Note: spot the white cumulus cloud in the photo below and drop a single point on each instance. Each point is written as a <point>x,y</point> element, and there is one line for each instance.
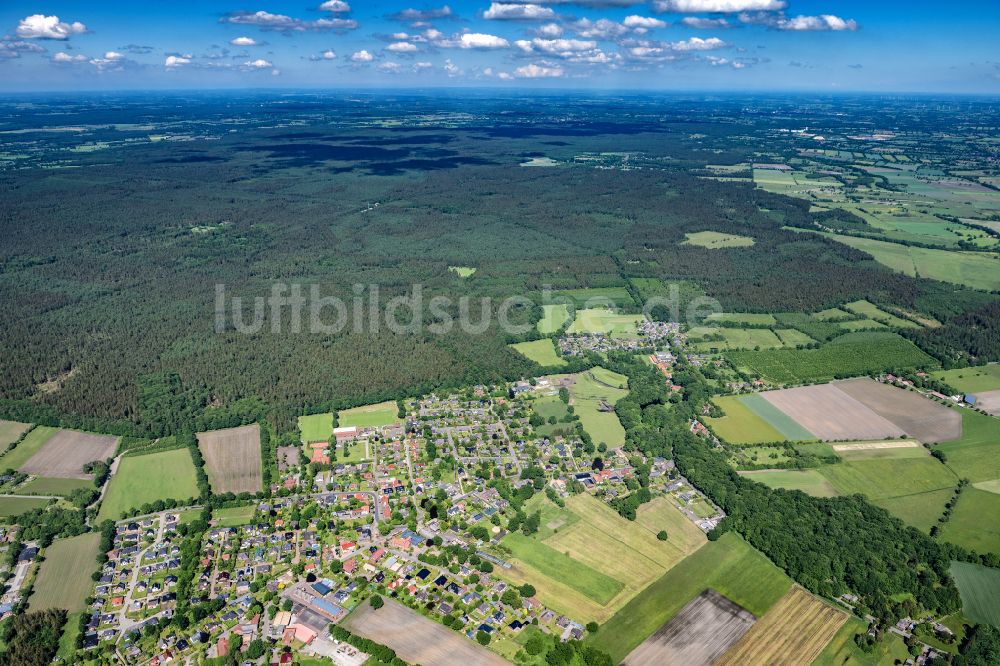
<point>698,44</point>
<point>518,12</point>
<point>39,26</point>
<point>401,47</point>
<point>479,40</point>
<point>259,63</point>
<point>174,61</point>
<point>533,71</point>
<point>644,22</point>
<point>362,56</point>
<point>719,6</point>
<point>335,6</point>
<point>243,41</point>
<point>821,22</point>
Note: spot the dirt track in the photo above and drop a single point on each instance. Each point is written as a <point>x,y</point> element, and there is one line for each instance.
<point>66,452</point>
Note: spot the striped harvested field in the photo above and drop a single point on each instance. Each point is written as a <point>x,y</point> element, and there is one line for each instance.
<point>793,632</point>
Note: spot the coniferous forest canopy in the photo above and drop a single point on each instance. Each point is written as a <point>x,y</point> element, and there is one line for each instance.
<point>116,232</point>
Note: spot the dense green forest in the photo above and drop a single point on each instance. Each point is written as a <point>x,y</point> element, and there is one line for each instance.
<point>108,271</point>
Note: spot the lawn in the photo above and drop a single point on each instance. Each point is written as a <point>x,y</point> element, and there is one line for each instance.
<point>587,394</point>
<point>370,416</point>
<point>850,355</point>
<point>64,576</point>
<point>15,506</point>
<point>975,522</point>
<point>730,566</point>
<point>972,380</point>
<point>53,486</point>
<point>147,478</point>
<point>808,481</point>
<point>741,425</point>
<point>980,590</point>
<point>608,322</point>
<point>27,447</point>
<point>316,427</point>
<point>542,352</point>
<point>715,240</point>
<point>233,516</point>
<point>553,318</point>
<point>10,431</point>
<point>548,407</point>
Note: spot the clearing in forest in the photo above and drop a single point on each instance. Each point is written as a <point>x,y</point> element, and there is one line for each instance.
<point>232,459</point>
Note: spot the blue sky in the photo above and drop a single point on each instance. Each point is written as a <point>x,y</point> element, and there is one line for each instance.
<point>817,45</point>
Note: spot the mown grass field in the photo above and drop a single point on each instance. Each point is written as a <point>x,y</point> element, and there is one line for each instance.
<point>597,297</point>
<point>64,576</point>
<point>316,427</point>
<point>10,431</point>
<point>53,486</point>
<point>233,516</point>
<point>553,318</point>
<point>548,407</point>
<point>541,352</point>
<point>15,506</point>
<point>973,379</point>
<point>588,560</point>
<point>794,631</point>
<point>27,447</point>
<point>752,318</point>
<point>741,425</point>
<point>144,479</point>
<point>369,416</point>
<point>715,240</point>
<point>782,422</point>
<point>913,488</point>
<point>730,566</point>
<point>980,590</point>
<point>608,322</point>
<point>975,521</point>
<point>872,311</point>
<point>974,270</point>
<point>974,455</point>
<point>735,338</point>
<point>587,393</point>
<point>850,355</point>
<point>809,481</point>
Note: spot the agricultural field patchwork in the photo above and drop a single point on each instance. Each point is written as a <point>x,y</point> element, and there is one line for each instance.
<point>974,455</point>
<point>541,352</point>
<point>698,635</point>
<point>607,322</point>
<point>793,633</point>
<point>10,431</point>
<point>980,590</point>
<point>553,318</point>
<point>919,417</point>
<point>27,447</point>
<point>741,425</point>
<point>830,414</point>
<point>41,485</point>
<point>850,355</point>
<point>65,453</point>
<point>232,459</point>
<point>974,522</point>
<point>974,380</point>
<point>370,416</point>
<point>872,311</point>
<point>415,638</point>
<point>809,481</point>
<point>15,506</point>
<point>588,560</point>
<point>64,577</point>
<point>729,566</point>
<point>144,479</point>
<point>593,396</point>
